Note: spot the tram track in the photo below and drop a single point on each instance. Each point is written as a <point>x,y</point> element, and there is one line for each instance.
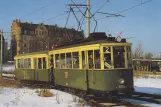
<point>152,98</point>
<point>102,101</point>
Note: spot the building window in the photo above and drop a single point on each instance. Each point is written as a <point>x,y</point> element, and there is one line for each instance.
<point>32,32</point>
<point>25,31</point>
<point>39,32</point>
<point>50,33</point>
<point>25,45</point>
<point>45,32</point>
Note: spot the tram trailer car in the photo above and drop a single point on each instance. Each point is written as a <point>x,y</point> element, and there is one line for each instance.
<point>96,66</point>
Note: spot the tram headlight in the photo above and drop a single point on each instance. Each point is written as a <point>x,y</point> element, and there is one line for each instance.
<point>118,39</point>
<point>121,81</point>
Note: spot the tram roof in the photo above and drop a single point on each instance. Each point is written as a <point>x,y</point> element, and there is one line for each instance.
<point>41,52</point>
<point>89,43</point>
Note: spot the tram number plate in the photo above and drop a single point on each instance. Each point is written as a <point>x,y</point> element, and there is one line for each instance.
<point>122,86</point>
<point>66,75</point>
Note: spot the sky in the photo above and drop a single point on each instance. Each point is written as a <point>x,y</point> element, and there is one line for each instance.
<point>141,24</point>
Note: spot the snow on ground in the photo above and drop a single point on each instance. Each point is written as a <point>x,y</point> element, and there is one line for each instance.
<point>147,85</point>
<point>24,97</point>
<point>8,68</point>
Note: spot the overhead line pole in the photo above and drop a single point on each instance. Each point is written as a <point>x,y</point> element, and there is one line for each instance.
<point>88,18</point>
<point>1,50</point>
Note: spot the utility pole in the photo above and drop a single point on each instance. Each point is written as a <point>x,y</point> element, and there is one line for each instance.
<point>87,14</point>
<point>88,18</point>
<point>1,33</point>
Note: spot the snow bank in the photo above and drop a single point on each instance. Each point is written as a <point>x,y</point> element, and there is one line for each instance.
<point>24,97</point>
<point>8,68</point>
<point>148,85</point>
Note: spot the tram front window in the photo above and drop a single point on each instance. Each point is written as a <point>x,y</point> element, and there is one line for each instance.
<point>119,59</point>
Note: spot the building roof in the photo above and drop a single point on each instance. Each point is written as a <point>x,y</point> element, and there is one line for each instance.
<point>32,26</point>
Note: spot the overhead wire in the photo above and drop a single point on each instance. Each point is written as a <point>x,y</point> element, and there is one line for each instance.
<point>53,1</point>
<point>96,11</point>
<point>54,17</point>
<point>100,7</point>
<point>134,6</point>
<point>97,3</point>
<point>142,3</point>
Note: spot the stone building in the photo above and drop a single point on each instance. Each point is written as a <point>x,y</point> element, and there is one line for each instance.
<point>28,37</point>
<point>4,49</point>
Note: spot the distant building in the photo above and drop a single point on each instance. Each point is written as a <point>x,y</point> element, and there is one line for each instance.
<point>28,37</point>
<point>6,54</point>
<point>4,49</point>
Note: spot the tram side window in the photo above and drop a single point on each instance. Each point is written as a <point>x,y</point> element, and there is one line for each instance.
<point>44,63</point>
<point>107,57</point>
<point>22,63</point>
<point>57,59</point>
<point>83,60</point>
<point>35,63</point>
<point>62,56</point>
<point>51,61</point>
<point>129,56</point>
<point>29,63</point>
<point>19,63</point>
<point>97,59</point>
<point>39,63</point>
<point>75,59</point>
<point>90,60</point>
<point>68,60</point>
<point>25,63</point>
<point>119,60</point>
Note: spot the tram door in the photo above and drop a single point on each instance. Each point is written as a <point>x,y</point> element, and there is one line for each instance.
<point>36,69</point>
<point>52,68</point>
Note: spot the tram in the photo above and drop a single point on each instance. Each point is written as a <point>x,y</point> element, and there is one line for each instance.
<point>103,65</point>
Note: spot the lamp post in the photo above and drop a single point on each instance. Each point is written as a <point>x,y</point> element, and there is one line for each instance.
<point>1,33</point>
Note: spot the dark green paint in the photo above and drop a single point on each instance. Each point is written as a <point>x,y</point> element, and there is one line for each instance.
<point>108,80</point>
<point>76,78</point>
<point>101,80</point>
<point>42,75</point>
<point>26,74</point>
<point>31,74</point>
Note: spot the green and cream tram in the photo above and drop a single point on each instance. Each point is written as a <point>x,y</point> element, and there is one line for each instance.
<point>99,65</point>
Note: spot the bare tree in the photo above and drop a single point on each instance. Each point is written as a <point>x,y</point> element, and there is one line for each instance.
<point>148,55</point>
<point>138,53</point>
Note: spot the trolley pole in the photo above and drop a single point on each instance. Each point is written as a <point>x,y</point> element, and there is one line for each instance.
<point>1,32</point>
<point>88,18</point>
